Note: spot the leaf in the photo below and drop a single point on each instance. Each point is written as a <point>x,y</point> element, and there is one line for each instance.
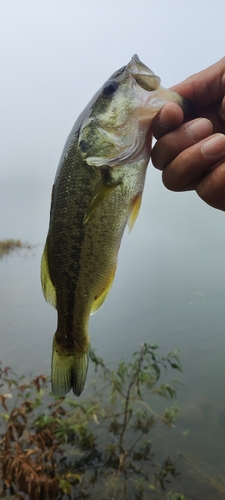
<point>176,366</point>
<point>157,370</point>
<point>5,416</point>
<point>3,401</point>
<point>65,486</point>
<point>12,381</point>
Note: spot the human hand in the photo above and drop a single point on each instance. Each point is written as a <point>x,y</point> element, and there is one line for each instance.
<point>191,154</point>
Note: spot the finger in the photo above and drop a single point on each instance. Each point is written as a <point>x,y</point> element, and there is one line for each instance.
<point>204,88</point>
<point>173,143</point>
<point>211,188</point>
<point>222,110</point>
<point>170,116</point>
<point>191,165</point>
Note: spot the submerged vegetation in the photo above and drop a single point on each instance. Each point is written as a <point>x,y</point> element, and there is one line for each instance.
<point>101,447</point>
<point>9,246</point>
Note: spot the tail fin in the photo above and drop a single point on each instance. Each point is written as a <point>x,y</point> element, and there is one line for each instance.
<point>69,370</point>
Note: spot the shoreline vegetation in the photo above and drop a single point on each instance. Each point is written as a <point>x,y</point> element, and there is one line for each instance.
<point>10,245</point>
<point>105,446</point>
<point>101,447</point>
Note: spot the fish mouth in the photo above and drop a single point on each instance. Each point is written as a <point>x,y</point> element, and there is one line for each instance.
<point>150,82</point>
<point>143,75</point>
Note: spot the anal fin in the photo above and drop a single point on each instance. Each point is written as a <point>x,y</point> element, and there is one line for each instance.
<point>47,285</point>
<point>99,301</point>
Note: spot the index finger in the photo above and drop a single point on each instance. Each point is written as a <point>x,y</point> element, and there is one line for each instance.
<point>206,87</point>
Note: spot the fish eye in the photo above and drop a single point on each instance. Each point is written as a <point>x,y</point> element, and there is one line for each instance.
<point>83,146</point>
<point>110,88</point>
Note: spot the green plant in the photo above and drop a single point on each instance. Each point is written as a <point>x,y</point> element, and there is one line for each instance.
<point>54,448</point>
<point>9,246</point>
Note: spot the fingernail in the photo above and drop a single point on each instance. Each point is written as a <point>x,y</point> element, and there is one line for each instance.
<point>199,129</point>
<point>214,146</point>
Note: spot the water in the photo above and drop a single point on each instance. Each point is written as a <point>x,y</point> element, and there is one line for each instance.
<point>169,289</point>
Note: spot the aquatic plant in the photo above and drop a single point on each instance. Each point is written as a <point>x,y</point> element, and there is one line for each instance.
<point>66,448</point>
<point>10,245</point>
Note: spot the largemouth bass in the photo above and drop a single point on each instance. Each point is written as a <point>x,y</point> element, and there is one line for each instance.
<point>97,191</point>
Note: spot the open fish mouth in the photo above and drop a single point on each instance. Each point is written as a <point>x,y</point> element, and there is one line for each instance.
<point>150,82</point>
<point>143,75</point>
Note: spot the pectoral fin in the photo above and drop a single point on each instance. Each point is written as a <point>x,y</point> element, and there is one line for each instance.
<point>99,301</point>
<point>104,187</point>
<point>134,210</point>
<point>47,285</point>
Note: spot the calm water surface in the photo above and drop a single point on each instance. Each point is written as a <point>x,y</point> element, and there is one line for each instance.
<point>168,290</point>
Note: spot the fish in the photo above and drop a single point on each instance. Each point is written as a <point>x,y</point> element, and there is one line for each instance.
<point>97,192</point>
